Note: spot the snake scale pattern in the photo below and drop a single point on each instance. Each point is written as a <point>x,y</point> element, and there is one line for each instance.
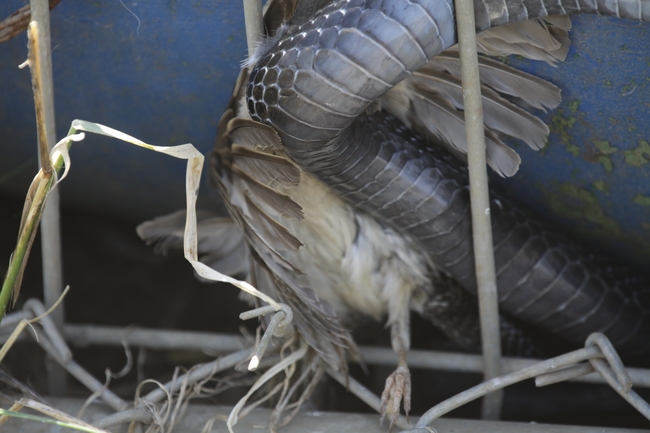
<point>314,84</point>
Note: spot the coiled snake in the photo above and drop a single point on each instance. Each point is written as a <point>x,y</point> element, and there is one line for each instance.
<point>314,84</point>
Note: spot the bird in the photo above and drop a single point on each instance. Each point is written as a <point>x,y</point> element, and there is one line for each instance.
<point>300,242</point>
<point>320,255</point>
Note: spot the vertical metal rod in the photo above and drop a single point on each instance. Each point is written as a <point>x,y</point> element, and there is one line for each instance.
<point>253,19</point>
<point>481,221</point>
<point>50,224</point>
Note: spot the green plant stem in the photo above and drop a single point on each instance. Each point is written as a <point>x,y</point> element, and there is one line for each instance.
<point>13,414</point>
<point>26,236</point>
<point>24,241</point>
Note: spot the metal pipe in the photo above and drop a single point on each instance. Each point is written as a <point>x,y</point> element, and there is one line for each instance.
<point>196,374</point>
<point>49,327</point>
<point>160,339</point>
<point>131,415</point>
<point>503,381</point>
<point>480,204</point>
<point>81,375</point>
<point>50,231</point>
<point>254,23</point>
<point>12,319</point>
<point>197,415</point>
<point>50,221</point>
<point>466,363</point>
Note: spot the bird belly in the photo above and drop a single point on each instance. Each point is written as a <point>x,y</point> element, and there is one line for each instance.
<point>350,260</point>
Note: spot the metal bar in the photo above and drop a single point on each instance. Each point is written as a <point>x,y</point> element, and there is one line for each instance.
<point>82,375</point>
<point>131,415</point>
<point>50,231</point>
<point>159,339</point>
<point>503,381</point>
<point>461,362</point>
<point>623,389</point>
<point>197,415</point>
<point>55,338</point>
<point>253,19</point>
<point>480,204</point>
<point>83,335</point>
<point>50,222</point>
<point>196,374</point>
<point>12,319</point>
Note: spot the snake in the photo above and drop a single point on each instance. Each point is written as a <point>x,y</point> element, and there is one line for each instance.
<point>314,83</point>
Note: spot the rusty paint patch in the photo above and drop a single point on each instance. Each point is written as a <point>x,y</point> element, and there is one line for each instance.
<point>561,124</point>
<point>642,200</point>
<point>574,202</point>
<point>601,186</point>
<point>638,156</point>
<point>605,150</point>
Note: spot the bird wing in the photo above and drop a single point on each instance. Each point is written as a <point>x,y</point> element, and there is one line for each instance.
<point>252,174</point>
<point>221,245</point>
<point>430,100</point>
<point>545,39</point>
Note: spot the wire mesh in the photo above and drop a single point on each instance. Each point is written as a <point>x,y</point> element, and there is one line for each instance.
<point>54,343</point>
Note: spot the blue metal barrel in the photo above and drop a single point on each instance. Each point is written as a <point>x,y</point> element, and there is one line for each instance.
<point>593,177</point>
<point>163,72</point>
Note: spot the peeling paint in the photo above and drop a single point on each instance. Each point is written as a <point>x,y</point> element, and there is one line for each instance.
<point>603,157</point>
<point>629,88</point>
<point>601,186</point>
<point>642,200</point>
<point>574,106</point>
<point>638,156</point>
<point>581,204</point>
<point>561,126</point>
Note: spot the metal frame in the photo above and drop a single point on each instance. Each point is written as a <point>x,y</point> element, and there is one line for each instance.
<point>52,333</point>
<point>50,222</point>
<point>598,352</point>
<point>480,205</point>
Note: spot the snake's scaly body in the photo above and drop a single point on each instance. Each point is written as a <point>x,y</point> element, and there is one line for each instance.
<point>314,84</point>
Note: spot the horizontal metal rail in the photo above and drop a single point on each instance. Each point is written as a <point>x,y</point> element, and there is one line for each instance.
<point>160,339</point>
<point>86,335</point>
<point>598,351</point>
<point>198,415</point>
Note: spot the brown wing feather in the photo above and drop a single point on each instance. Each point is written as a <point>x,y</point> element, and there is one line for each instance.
<point>254,134</point>
<point>499,114</point>
<point>441,116</point>
<point>450,129</point>
<point>266,168</point>
<point>537,39</point>
<point>529,89</point>
<point>252,174</point>
<point>275,203</point>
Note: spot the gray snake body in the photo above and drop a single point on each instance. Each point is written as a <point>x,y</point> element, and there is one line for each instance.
<point>314,84</point>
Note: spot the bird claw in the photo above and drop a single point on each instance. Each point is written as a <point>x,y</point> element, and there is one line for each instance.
<point>398,387</point>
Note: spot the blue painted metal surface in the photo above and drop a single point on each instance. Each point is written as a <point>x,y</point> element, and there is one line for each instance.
<point>593,178</point>
<point>166,76</point>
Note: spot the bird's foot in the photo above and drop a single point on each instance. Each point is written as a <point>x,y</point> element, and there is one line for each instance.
<point>398,387</point>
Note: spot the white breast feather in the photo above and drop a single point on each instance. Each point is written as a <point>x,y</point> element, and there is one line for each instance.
<point>354,263</point>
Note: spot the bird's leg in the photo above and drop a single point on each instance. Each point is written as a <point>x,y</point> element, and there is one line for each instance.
<point>398,384</point>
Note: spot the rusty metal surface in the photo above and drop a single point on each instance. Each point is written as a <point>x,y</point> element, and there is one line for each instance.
<point>592,178</point>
